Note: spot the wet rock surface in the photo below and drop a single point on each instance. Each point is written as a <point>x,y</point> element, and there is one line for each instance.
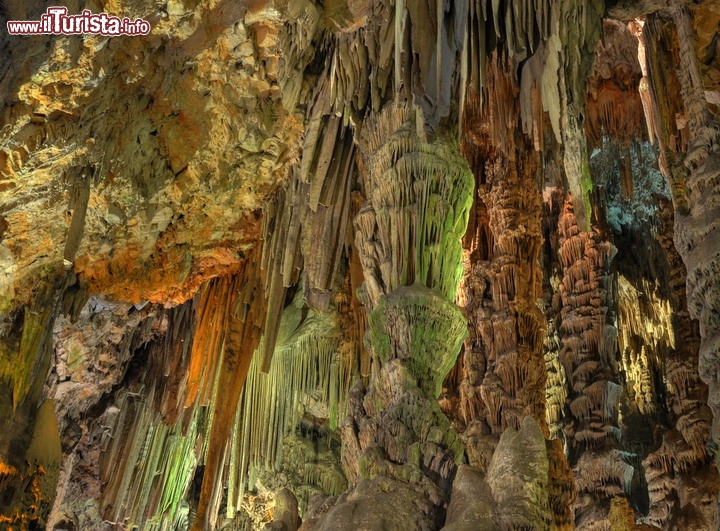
<point>281,264</point>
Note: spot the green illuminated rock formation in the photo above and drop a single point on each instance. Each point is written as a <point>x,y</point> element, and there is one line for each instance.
<point>362,264</point>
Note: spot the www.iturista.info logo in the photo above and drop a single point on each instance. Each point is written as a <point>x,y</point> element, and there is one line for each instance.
<point>56,21</point>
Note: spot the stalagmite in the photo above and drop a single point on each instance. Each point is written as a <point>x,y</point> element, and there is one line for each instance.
<point>361,264</point>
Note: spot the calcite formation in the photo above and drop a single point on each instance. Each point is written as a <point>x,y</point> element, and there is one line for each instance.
<point>362,264</point>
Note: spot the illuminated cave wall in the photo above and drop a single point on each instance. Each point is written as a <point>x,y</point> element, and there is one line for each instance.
<point>362,264</point>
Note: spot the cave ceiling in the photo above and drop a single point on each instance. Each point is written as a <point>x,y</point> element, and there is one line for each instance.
<point>361,264</point>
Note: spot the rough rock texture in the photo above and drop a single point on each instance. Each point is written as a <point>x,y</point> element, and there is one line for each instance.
<point>286,512</point>
<point>293,264</point>
<point>471,502</point>
<point>398,430</point>
<point>518,478</point>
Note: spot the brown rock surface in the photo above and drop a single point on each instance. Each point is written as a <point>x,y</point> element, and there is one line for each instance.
<point>305,259</point>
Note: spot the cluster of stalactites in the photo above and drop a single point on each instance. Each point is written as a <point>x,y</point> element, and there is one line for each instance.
<point>535,35</point>
<point>377,51</point>
<point>509,324</point>
<point>306,364</point>
<point>616,104</point>
<point>645,334</point>
<point>588,339</point>
<point>556,390</point>
<point>418,197</point>
<point>523,26</point>
<point>242,332</point>
<point>135,492</point>
<point>374,51</point>
<point>155,423</point>
<point>305,224</point>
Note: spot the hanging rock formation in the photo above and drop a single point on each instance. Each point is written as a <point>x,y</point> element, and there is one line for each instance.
<point>362,264</point>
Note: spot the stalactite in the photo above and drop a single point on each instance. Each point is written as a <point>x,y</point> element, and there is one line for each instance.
<point>409,229</point>
<point>340,275</point>
<point>306,360</point>
<point>587,354</point>
<point>513,327</point>
<point>245,325</point>
<point>687,139</point>
<point>614,106</point>
<point>683,447</point>
<point>281,258</point>
<point>205,355</point>
<point>325,221</point>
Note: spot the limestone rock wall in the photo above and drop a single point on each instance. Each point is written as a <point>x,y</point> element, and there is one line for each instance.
<point>361,264</point>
